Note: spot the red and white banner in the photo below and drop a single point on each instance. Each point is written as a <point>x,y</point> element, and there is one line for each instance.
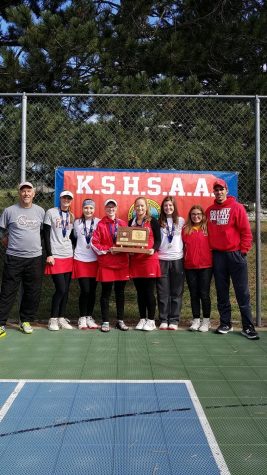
<point>125,186</point>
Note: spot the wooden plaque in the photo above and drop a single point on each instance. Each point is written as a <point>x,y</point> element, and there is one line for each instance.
<point>132,239</point>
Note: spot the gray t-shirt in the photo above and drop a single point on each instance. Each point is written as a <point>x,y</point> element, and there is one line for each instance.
<point>23,226</point>
<point>61,246</point>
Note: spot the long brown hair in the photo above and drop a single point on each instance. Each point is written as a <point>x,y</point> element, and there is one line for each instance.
<point>189,225</point>
<point>162,216</point>
<point>148,213</point>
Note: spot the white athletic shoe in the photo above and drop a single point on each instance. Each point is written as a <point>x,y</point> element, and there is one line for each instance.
<point>195,325</point>
<point>64,323</point>
<point>150,325</point>
<point>91,323</point>
<point>53,324</point>
<point>173,326</point>
<point>163,326</point>
<point>205,324</point>
<point>140,325</point>
<point>82,324</point>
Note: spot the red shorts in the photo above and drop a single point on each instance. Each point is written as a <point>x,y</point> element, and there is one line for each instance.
<point>84,269</point>
<point>61,266</point>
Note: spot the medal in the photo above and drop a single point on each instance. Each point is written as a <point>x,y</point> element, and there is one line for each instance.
<point>170,234</point>
<point>64,224</point>
<point>88,233</point>
<point>114,234</point>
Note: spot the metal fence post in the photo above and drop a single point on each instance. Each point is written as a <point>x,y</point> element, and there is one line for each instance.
<point>258,211</point>
<point>23,136</point>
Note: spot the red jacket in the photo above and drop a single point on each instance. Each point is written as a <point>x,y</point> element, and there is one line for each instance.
<point>197,253</point>
<point>228,226</point>
<point>102,241</point>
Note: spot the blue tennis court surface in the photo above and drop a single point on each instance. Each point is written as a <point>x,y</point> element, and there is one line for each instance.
<point>105,427</point>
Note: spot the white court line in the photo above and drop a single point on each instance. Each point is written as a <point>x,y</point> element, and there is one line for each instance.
<point>217,454</point>
<point>7,405</point>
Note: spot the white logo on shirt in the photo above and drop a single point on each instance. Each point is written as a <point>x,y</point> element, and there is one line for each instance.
<point>28,223</point>
<point>220,216</point>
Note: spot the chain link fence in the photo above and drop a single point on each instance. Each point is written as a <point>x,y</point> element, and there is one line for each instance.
<point>146,132</point>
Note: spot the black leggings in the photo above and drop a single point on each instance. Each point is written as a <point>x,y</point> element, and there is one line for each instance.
<point>60,297</point>
<point>198,281</point>
<point>146,300</point>
<point>87,296</point>
<point>119,286</point>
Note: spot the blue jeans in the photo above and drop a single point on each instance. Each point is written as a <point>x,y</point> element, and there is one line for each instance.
<point>226,266</point>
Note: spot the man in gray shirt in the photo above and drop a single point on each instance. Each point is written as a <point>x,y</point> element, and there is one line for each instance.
<point>20,231</point>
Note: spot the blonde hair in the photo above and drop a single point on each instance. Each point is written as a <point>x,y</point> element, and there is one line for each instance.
<point>72,217</point>
<point>189,225</point>
<point>148,212</point>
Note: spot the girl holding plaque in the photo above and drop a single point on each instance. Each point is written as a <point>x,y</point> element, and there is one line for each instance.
<point>170,285</point>
<point>145,268</point>
<point>58,224</point>
<point>198,266</point>
<point>113,268</point>
<point>85,264</point>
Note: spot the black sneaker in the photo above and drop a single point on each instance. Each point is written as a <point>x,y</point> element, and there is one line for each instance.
<point>250,333</point>
<point>224,328</point>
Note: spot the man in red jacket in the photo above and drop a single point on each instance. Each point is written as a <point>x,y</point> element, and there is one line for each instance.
<point>230,239</point>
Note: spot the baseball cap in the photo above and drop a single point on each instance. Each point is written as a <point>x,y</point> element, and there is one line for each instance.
<point>66,193</point>
<point>110,200</point>
<point>25,183</point>
<point>220,182</point>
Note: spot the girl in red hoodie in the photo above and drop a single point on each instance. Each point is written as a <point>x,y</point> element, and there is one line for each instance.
<point>198,266</point>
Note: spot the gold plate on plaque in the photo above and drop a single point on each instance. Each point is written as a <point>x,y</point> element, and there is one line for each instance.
<point>132,239</point>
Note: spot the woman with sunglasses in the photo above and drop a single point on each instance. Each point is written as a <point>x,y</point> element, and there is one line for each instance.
<point>198,267</point>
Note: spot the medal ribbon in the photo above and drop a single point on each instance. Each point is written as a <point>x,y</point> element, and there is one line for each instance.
<point>64,224</point>
<point>88,233</point>
<point>170,232</point>
<point>114,234</point>
<point>140,225</point>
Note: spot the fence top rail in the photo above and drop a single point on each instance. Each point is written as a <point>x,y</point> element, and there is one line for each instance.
<point>197,96</point>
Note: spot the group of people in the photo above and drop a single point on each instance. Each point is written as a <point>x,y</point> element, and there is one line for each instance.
<point>208,243</point>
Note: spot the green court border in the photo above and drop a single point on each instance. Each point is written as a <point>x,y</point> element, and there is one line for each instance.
<point>228,373</point>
